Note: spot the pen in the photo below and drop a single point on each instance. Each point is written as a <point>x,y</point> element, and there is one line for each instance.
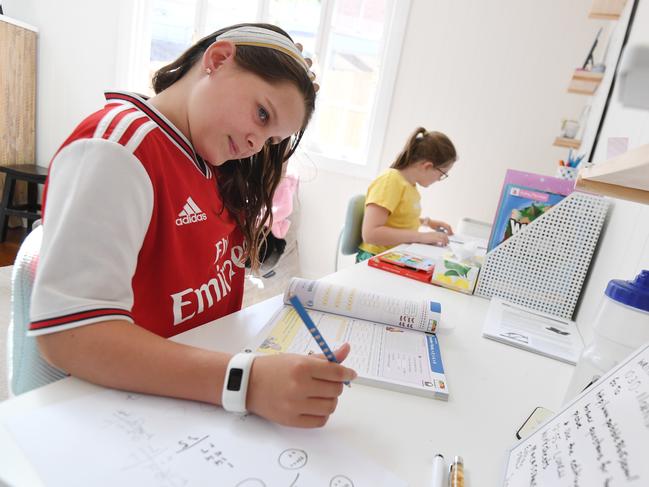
<point>456,473</point>
<point>317,336</point>
<point>439,466</point>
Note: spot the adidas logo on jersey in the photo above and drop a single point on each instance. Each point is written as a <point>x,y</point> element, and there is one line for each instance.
<point>190,213</point>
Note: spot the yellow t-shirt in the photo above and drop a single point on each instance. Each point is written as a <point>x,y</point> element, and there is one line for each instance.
<point>394,193</point>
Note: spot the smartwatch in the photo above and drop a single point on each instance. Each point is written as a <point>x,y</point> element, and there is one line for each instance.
<point>235,386</point>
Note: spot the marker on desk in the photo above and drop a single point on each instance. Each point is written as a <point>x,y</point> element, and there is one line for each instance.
<point>439,465</point>
<point>456,473</point>
<point>315,333</point>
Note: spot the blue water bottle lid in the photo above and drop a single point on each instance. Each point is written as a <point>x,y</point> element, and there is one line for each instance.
<point>632,293</point>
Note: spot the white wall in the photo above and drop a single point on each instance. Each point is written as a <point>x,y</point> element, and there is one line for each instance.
<point>76,62</point>
<point>493,76</point>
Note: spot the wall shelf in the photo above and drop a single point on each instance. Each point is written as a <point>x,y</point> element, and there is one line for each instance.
<point>606,9</point>
<point>584,82</point>
<point>625,177</point>
<point>565,142</point>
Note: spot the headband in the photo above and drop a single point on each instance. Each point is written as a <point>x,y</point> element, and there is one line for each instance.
<point>260,37</point>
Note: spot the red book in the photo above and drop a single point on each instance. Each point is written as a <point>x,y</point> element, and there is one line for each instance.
<point>424,276</point>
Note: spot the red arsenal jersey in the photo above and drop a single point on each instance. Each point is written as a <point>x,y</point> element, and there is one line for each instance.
<point>134,229</point>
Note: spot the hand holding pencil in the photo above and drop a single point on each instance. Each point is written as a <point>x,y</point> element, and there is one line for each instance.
<point>295,390</point>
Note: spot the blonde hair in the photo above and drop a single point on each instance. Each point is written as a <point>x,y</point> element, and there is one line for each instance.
<point>426,146</point>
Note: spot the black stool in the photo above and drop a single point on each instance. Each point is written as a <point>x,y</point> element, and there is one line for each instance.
<point>34,175</point>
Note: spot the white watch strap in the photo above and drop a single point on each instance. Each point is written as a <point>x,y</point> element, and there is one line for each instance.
<point>235,386</point>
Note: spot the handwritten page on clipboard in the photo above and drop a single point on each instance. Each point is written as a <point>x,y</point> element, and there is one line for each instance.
<point>600,438</point>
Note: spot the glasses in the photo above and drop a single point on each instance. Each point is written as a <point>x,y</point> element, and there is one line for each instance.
<point>443,176</point>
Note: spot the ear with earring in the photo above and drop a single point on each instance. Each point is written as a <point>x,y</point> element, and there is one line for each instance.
<point>208,71</point>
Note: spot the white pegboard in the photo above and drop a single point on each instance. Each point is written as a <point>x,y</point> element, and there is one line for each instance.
<point>543,266</point>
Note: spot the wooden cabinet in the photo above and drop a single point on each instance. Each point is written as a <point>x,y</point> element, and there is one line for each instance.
<point>17,95</point>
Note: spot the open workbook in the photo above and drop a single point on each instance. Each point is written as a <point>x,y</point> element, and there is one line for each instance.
<point>393,345</point>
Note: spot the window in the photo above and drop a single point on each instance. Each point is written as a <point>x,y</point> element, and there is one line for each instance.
<point>355,45</point>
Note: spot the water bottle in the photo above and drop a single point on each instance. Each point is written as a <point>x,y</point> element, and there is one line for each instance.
<point>621,325</point>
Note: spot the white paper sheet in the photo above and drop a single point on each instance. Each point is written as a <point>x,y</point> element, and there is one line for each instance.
<point>600,439</point>
<point>534,331</point>
<point>114,438</point>
<point>457,240</point>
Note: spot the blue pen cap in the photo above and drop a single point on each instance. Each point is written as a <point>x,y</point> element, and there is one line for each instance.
<point>632,293</point>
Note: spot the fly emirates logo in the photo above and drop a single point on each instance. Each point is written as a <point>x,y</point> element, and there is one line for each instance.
<point>191,302</point>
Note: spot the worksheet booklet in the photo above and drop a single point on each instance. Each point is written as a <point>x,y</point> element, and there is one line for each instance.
<point>531,330</point>
<point>600,438</point>
<point>392,344</point>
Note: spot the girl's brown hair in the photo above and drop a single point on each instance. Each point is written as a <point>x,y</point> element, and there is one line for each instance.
<point>426,146</point>
<point>247,185</point>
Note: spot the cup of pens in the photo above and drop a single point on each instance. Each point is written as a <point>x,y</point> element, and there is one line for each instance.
<point>566,172</point>
<point>570,168</point>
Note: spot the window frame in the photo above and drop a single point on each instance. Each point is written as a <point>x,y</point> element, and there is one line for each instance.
<point>133,50</point>
<point>399,11</point>
<point>135,30</point>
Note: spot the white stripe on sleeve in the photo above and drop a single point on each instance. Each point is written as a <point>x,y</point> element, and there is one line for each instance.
<point>99,205</point>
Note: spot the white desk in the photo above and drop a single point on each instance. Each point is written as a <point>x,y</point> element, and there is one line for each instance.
<point>493,388</point>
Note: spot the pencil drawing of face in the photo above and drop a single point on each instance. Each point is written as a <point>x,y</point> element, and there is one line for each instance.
<point>292,459</point>
<point>340,481</point>
<point>251,483</point>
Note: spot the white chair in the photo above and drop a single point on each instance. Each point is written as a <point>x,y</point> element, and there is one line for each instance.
<point>26,367</point>
<point>351,234</point>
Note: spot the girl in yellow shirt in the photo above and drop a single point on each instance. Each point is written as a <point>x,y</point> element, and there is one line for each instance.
<point>392,204</point>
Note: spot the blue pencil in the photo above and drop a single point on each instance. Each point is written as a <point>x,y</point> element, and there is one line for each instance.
<point>315,333</point>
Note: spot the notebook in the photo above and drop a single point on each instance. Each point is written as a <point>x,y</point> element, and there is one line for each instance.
<point>525,197</point>
<point>531,330</point>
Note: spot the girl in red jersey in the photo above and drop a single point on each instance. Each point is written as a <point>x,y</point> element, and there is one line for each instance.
<point>152,207</point>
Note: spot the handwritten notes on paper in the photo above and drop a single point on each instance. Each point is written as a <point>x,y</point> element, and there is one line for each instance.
<point>118,438</point>
<point>600,439</point>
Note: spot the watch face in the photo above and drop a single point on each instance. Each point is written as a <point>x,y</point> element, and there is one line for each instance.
<point>234,380</point>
